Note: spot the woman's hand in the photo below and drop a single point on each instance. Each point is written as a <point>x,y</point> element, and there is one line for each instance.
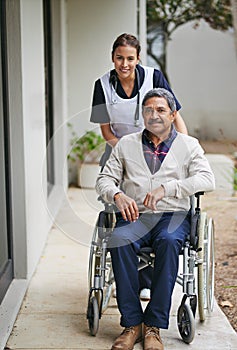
<point>153,197</point>
<point>127,206</point>
<point>108,135</point>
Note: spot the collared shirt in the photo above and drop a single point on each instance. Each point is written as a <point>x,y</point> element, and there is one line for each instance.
<point>155,155</point>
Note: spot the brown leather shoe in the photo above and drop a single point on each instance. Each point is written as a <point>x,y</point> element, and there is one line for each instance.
<point>152,339</point>
<point>128,338</point>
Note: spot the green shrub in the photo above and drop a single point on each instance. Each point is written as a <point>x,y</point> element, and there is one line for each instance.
<point>235,179</point>
<point>87,148</point>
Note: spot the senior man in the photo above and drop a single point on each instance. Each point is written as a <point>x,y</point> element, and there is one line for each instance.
<point>150,176</point>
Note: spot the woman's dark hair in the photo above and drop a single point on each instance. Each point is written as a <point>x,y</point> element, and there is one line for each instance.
<point>126,40</point>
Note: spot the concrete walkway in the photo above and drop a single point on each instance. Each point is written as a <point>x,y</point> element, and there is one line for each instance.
<point>53,314</point>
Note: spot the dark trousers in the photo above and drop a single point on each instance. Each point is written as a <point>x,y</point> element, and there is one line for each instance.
<point>165,233</point>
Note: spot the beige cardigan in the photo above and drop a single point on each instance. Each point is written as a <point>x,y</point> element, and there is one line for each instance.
<point>184,171</point>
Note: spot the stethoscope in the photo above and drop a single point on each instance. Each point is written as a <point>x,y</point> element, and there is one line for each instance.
<point>114,84</point>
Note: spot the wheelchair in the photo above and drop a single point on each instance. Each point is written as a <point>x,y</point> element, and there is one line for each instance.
<point>196,278</point>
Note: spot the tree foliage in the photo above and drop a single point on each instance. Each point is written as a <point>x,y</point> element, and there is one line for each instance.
<point>165,16</point>
<point>234,13</point>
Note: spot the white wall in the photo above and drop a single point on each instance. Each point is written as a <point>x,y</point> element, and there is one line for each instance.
<point>34,127</point>
<point>202,67</point>
<point>92,28</point>
<point>40,209</point>
<point>30,215</point>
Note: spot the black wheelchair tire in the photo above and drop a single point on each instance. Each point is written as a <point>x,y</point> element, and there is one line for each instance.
<point>186,323</point>
<point>93,316</point>
<point>93,259</point>
<point>206,267</point>
<point>210,266</point>
<point>95,263</point>
<point>202,233</point>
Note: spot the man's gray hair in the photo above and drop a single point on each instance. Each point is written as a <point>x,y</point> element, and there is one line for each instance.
<point>160,92</point>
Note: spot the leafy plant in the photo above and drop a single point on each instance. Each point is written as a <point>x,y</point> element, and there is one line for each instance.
<point>88,148</point>
<point>235,179</point>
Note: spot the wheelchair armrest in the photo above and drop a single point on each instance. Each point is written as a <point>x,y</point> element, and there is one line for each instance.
<point>194,229</point>
<point>106,221</point>
<point>195,215</point>
<point>197,195</point>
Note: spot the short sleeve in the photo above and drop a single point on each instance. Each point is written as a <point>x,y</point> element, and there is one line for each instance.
<point>99,113</point>
<point>159,81</point>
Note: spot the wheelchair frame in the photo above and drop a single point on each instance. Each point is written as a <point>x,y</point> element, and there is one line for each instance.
<point>198,252</point>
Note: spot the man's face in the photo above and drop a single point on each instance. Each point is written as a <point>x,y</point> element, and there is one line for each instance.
<point>157,116</point>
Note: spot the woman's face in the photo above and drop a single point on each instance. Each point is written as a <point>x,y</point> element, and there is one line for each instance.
<point>125,60</point>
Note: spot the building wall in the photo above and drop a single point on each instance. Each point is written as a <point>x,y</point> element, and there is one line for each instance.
<point>92,28</point>
<point>34,127</point>
<point>41,206</point>
<point>32,208</point>
<point>202,66</point>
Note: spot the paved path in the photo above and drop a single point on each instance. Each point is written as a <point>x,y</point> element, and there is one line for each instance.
<point>53,312</point>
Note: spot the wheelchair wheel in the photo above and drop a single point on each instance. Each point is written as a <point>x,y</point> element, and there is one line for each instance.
<point>94,257</point>
<point>205,266</point>
<point>210,266</point>
<point>201,266</point>
<point>108,288</point>
<point>93,316</point>
<point>100,263</point>
<point>186,323</point>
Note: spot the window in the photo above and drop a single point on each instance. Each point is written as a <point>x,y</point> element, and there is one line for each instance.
<point>49,110</point>
<point>6,266</point>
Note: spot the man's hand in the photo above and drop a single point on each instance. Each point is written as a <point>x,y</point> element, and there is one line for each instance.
<point>127,207</point>
<point>153,197</point>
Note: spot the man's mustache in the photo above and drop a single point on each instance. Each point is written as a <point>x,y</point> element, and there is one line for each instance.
<point>155,121</point>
